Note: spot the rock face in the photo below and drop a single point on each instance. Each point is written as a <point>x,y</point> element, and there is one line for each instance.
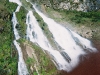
<point>79,5</point>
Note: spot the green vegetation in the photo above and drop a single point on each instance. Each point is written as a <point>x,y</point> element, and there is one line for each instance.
<point>26,4</point>
<point>82,17</point>
<point>40,60</point>
<point>21,17</point>
<point>8,55</point>
<point>21,40</point>
<point>10,7</point>
<point>30,63</point>
<point>76,17</point>
<point>46,67</point>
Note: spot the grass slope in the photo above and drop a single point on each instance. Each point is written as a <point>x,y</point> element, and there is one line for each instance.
<point>8,55</point>
<point>43,63</point>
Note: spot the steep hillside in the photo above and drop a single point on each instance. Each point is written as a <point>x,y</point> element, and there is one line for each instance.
<point>68,13</point>
<point>8,54</point>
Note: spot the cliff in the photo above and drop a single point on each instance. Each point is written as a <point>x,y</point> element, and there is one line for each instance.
<point>79,5</point>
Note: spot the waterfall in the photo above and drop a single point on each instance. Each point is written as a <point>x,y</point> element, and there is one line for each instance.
<point>36,35</point>
<point>16,1</point>
<point>22,69</point>
<point>74,46</point>
<point>34,32</point>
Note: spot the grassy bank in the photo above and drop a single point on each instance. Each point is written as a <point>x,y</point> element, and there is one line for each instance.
<point>41,60</point>
<point>8,55</point>
<point>21,17</point>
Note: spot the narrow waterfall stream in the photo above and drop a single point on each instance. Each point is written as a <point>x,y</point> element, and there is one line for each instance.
<point>22,69</point>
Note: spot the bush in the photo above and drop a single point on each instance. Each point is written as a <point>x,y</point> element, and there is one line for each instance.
<point>8,55</point>
<point>21,17</point>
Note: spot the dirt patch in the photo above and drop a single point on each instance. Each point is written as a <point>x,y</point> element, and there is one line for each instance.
<point>29,50</point>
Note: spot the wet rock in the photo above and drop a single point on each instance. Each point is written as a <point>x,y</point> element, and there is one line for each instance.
<point>93,30</point>
<point>17,26</point>
<point>1,29</point>
<point>87,32</point>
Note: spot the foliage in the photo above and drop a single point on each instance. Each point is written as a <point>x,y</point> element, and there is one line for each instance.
<point>46,66</point>
<point>30,62</point>
<point>21,40</point>
<point>11,7</point>
<point>21,17</point>
<point>95,16</point>
<point>26,4</point>
<point>81,17</point>
<point>43,63</point>
<point>8,56</point>
<point>75,17</point>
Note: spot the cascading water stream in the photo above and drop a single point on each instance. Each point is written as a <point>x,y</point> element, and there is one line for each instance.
<point>16,1</point>
<point>73,45</point>
<point>35,34</point>
<point>22,69</point>
<point>64,34</point>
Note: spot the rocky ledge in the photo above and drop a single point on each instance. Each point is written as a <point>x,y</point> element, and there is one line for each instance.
<point>79,5</point>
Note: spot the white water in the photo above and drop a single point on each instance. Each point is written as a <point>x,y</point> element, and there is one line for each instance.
<point>72,44</point>
<point>34,32</point>
<point>14,21</point>
<point>39,38</point>
<point>16,1</point>
<point>22,69</point>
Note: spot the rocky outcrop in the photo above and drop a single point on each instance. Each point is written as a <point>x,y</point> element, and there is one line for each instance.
<point>79,5</point>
